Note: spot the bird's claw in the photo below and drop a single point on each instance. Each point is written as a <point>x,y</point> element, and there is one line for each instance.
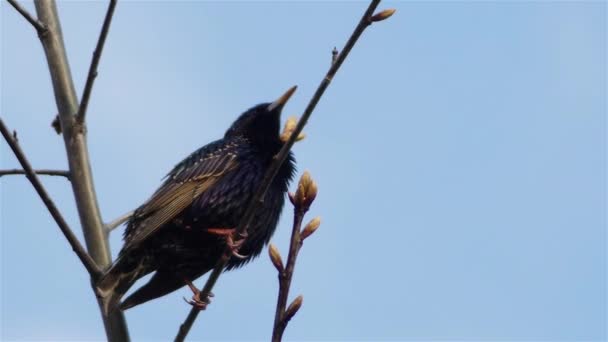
<point>235,245</point>
<point>196,301</point>
<point>230,242</point>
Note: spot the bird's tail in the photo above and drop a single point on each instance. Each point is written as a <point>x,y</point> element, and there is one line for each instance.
<point>116,282</point>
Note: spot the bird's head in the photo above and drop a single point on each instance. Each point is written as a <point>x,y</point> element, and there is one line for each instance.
<point>261,124</point>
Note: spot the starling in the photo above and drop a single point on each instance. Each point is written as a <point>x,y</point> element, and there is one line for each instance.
<point>182,230</point>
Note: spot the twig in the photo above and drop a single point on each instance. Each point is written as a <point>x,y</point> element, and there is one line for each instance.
<point>45,172</point>
<point>118,221</point>
<point>276,164</point>
<point>40,28</point>
<point>86,94</point>
<point>84,257</point>
<point>303,198</point>
<point>74,136</point>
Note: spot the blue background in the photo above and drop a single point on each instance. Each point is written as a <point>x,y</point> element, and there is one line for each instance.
<point>460,154</point>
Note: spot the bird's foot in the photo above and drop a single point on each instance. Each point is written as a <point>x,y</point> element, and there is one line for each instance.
<point>197,302</point>
<point>230,242</point>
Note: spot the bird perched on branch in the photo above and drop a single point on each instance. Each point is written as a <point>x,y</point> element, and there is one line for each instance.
<point>183,229</point>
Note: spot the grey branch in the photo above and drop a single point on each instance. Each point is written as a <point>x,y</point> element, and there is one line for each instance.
<point>44,172</point>
<point>117,222</point>
<point>85,258</point>
<point>274,167</point>
<point>40,28</point>
<point>86,94</point>
<point>74,135</point>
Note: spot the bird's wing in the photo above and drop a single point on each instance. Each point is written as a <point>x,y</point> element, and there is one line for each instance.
<point>185,182</point>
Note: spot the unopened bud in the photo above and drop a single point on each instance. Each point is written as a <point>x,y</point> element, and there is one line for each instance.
<point>311,227</point>
<point>275,257</point>
<point>382,15</point>
<point>290,126</point>
<point>307,191</point>
<point>293,308</point>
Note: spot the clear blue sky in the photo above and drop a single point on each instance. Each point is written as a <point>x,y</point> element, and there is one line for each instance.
<point>460,155</point>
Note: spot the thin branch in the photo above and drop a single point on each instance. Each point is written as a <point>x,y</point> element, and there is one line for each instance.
<point>84,257</point>
<point>117,222</point>
<point>40,28</point>
<point>276,164</point>
<point>86,94</point>
<point>45,172</point>
<point>303,198</point>
<point>75,140</point>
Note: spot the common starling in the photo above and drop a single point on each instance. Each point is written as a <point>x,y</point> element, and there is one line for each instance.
<point>182,230</point>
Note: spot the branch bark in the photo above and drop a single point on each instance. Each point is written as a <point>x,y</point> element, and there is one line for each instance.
<point>258,197</point>
<point>84,257</point>
<point>74,134</point>
<point>44,172</point>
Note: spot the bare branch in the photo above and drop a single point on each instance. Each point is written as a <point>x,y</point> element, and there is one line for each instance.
<point>84,257</point>
<point>307,191</point>
<point>45,172</point>
<point>86,94</point>
<point>274,167</point>
<point>74,136</point>
<point>40,28</point>
<point>117,222</point>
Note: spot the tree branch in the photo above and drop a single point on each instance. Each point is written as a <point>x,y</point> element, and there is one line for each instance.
<point>85,258</point>
<point>45,172</point>
<point>74,135</point>
<point>118,221</point>
<point>305,195</point>
<point>86,94</point>
<point>276,164</point>
<point>40,28</point>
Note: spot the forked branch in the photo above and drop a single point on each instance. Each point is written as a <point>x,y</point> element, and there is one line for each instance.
<point>84,257</point>
<point>40,28</point>
<point>366,20</point>
<point>303,198</point>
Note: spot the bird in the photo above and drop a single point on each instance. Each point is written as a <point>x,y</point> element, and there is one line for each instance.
<point>182,230</point>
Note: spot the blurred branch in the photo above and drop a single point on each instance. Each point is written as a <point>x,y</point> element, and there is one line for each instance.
<point>118,221</point>
<point>40,28</point>
<point>45,172</point>
<point>303,198</point>
<point>258,196</point>
<point>86,94</point>
<point>85,258</point>
<point>74,135</point>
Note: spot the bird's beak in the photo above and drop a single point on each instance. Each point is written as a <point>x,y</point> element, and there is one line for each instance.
<point>281,101</point>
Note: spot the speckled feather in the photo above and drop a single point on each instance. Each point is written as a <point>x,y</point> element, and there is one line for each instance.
<point>211,188</point>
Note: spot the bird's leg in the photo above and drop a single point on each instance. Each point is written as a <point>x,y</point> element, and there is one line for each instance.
<point>197,302</point>
<point>227,233</point>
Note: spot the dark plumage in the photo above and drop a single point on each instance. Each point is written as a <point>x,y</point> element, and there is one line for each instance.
<point>211,188</point>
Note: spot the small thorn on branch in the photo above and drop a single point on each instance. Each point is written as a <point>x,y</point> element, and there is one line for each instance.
<point>56,124</point>
<point>334,55</point>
